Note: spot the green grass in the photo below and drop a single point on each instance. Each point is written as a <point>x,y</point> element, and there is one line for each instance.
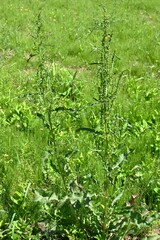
<point>64,170</point>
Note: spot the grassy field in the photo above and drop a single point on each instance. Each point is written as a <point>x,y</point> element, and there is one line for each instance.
<point>79,119</point>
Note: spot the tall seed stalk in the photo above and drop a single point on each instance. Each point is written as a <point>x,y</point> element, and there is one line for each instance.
<point>107,91</point>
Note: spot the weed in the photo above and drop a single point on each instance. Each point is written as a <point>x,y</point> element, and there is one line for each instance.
<point>79,151</point>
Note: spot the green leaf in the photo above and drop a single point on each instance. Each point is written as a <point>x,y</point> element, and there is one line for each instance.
<point>14,200</point>
<point>40,198</point>
<point>117,198</point>
<point>53,197</point>
<point>155,237</point>
<point>76,197</point>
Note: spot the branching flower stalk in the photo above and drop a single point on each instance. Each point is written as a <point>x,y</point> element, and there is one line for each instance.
<point>53,93</point>
<point>107,91</point>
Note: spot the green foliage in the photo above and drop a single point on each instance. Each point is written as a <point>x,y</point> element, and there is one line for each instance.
<point>79,155</point>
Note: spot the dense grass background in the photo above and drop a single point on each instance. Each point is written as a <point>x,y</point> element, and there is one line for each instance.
<point>30,167</point>
<point>68,27</point>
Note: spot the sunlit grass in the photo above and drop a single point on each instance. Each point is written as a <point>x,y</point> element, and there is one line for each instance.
<point>50,126</point>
